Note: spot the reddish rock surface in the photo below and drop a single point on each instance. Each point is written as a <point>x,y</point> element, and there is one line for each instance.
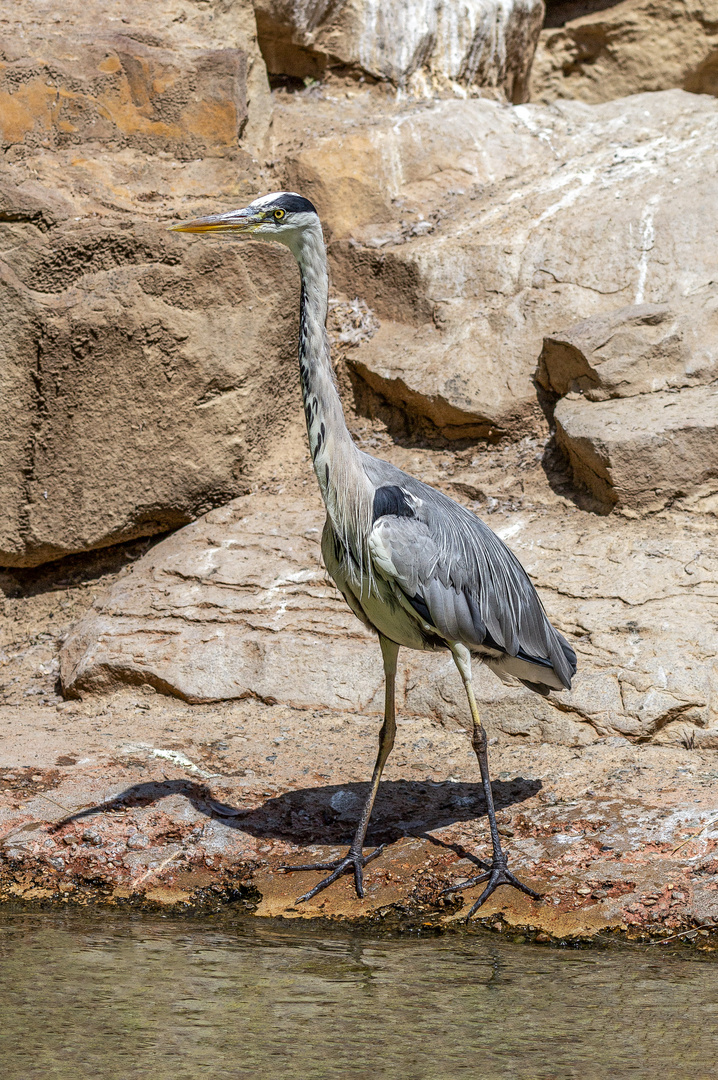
<point>145,380</point>
<point>134,797</point>
<point>155,802</point>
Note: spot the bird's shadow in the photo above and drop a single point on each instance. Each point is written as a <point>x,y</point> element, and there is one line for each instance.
<point>328,815</point>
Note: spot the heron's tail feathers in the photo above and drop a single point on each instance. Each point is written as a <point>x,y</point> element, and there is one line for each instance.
<point>534,672</point>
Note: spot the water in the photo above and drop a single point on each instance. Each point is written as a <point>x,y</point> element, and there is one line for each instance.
<point>119,997</point>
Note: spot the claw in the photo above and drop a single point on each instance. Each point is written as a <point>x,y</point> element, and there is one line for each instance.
<point>497,874</point>
<point>351,863</point>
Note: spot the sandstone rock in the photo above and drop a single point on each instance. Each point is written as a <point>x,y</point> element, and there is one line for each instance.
<point>146,801</point>
<point>167,75</point>
<point>654,443</point>
<point>483,43</point>
<point>636,350</point>
<point>119,91</point>
<point>645,452</point>
<point>545,216</point>
<point>130,399</point>
<point>128,358</point>
<point>237,604</point>
<point>627,48</point>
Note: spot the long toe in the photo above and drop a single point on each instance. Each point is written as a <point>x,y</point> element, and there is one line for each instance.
<point>466,884</point>
<point>501,876</point>
<point>352,863</point>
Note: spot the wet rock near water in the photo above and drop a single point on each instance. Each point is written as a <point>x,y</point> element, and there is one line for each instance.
<point>197,808</point>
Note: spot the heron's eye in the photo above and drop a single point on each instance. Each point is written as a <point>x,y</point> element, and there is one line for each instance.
<point>279,214</point>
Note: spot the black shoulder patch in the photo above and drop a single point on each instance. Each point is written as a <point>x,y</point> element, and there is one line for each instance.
<point>294,204</point>
<point>391,500</point>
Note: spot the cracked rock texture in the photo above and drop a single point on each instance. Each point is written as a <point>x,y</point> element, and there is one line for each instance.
<point>638,415</point>
<point>126,358</point>
<point>474,230</point>
<point>607,50</point>
<point>160,804</point>
<point>238,605</point>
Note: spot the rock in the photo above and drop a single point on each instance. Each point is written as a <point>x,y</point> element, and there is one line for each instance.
<point>468,268</point>
<point>626,48</point>
<point>643,453</point>
<point>117,90</point>
<point>285,786</point>
<point>168,76</point>
<point>482,43</point>
<point>237,605</point>
<point>129,359</point>
<point>131,391</point>
<point>639,349</point>
<point>653,443</point>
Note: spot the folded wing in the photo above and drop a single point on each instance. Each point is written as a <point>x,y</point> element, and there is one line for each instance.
<point>463,581</point>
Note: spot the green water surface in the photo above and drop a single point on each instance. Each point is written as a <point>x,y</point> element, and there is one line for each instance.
<point>120,997</point>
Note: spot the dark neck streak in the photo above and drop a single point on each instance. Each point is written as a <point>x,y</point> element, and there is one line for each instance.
<point>335,457</point>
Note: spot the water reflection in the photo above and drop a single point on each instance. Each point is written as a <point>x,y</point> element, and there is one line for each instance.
<point>119,998</point>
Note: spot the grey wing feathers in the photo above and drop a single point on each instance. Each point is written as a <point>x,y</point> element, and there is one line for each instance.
<point>474,588</point>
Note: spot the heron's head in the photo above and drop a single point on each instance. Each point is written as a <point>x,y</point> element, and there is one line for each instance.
<point>282,216</point>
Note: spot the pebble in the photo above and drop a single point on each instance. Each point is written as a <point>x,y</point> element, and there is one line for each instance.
<point>138,841</point>
<point>548,797</point>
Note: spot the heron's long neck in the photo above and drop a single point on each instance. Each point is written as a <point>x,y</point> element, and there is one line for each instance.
<point>335,456</point>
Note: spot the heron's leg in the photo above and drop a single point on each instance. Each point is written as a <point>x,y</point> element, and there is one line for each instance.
<point>354,861</point>
<point>498,873</point>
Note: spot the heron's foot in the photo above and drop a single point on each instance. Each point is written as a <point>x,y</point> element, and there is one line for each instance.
<point>496,874</point>
<point>352,863</point>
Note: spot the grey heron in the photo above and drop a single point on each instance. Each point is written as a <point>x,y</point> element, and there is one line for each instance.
<point>414,566</point>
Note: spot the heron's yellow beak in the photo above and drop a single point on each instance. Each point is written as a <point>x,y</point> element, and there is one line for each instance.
<point>236,221</point>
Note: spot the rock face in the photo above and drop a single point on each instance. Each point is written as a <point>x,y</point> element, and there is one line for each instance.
<point>639,349</point>
<point>128,358</point>
<point>237,605</point>
<point>543,217</point>
<point>168,75</point>
<point>482,43</point>
<point>627,48</point>
<point>639,420</point>
<point>644,453</point>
